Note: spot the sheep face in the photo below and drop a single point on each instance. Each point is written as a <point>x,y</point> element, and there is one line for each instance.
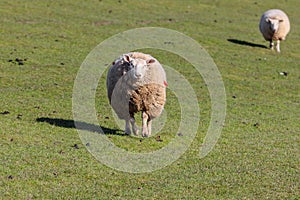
<point>139,67</point>
<point>273,24</point>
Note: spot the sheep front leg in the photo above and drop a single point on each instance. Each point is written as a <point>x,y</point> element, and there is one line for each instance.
<point>145,132</point>
<point>127,127</point>
<point>271,45</point>
<point>278,46</point>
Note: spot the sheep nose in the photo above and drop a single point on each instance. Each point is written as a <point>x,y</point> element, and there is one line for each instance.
<point>138,75</point>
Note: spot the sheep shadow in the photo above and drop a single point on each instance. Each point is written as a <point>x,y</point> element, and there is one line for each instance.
<point>245,43</point>
<point>81,126</point>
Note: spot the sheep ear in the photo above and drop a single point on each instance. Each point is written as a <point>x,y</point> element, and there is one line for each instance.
<point>127,58</point>
<point>150,61</point>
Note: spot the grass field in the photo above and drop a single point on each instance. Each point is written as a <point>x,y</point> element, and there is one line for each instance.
<point>42,46</point>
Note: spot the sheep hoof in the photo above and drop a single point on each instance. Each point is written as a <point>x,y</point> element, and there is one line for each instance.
<point>128,132</point>
<point>145,134</point>
<point>136,132</point>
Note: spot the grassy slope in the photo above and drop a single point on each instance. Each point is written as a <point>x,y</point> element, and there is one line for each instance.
<point>256,157</point>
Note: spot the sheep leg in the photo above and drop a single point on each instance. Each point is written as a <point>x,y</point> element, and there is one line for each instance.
<point>149,126</point>
<point>278,46</point>
<point>145,122</point>
<point>271,45</point>
<point>127,127</point>
<point>135,129</point>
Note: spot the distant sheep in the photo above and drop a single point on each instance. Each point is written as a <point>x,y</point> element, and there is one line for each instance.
<point>137,82</point>
<point>274,26</point>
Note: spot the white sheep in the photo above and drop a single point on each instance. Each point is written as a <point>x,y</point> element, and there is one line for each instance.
<point>274,26</point>
<point>137,82</point>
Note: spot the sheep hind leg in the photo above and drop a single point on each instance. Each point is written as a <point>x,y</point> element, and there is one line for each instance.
<point>278,46</point>
<point>135,129</point>
<point>145,118</point>
<point>149,126</point>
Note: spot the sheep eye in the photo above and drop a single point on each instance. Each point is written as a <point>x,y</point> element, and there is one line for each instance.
<point>131,65</point>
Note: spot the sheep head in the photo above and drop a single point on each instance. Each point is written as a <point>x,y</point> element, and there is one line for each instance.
<point>139,66</point>
<point>274,23</point>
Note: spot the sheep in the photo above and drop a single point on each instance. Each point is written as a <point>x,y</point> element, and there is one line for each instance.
<point>274,26</point>
<point>137,82</point>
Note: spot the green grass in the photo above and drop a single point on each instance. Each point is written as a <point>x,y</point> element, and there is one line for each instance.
<point>42,157</point>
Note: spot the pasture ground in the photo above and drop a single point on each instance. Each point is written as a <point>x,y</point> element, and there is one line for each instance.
<point>43,44</point>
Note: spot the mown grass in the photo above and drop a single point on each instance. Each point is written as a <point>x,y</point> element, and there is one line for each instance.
<point>257,156</point>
